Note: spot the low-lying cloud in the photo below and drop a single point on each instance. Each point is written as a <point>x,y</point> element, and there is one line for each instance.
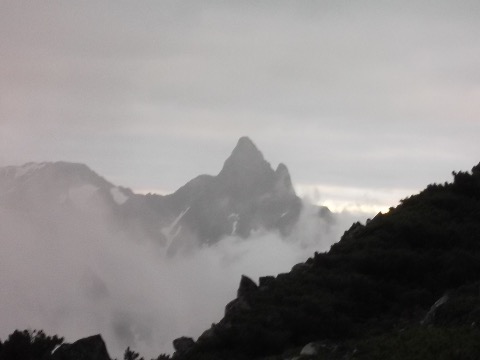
<point>75,278</point>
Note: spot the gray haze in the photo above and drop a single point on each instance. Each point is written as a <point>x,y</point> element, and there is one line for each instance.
<point>373,99</point>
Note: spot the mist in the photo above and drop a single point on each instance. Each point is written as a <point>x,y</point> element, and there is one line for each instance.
<point>73,276</point>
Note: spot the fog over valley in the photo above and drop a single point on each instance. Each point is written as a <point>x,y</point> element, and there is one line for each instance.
<point>82,256</point>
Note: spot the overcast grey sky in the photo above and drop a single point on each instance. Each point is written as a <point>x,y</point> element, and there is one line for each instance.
<point>365,101</point>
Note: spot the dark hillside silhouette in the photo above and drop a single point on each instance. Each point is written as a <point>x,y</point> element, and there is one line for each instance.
<point>380,278</point>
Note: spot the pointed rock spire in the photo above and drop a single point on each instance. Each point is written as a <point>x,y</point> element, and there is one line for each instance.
<point>245,144</point>
<point>283,183</point>
<point>245,152</point>
<point>245,164</point>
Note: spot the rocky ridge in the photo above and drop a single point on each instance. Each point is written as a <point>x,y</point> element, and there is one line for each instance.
<point>246,196</point>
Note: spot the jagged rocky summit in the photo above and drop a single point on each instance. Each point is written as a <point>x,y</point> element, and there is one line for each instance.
<point>246,196</point>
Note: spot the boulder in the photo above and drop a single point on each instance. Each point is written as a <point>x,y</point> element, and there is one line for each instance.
<point>247,286</point>
<point>89,348</point>
<point>182,345</point>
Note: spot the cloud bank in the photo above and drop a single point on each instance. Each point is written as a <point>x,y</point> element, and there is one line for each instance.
<point>75,278</point>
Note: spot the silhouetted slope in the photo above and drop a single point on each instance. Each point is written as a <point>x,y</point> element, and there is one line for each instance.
<point>380,277</point>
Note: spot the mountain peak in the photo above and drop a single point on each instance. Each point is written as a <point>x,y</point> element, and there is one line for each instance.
<point>245,141</point>
<point>245,160</point>
<point>245,148</point>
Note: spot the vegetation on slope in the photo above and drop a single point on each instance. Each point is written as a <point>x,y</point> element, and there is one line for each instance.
<point>380,278</point>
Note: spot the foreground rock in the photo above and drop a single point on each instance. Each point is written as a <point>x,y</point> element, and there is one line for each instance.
<point>90,348</point>
<point>182,346</point>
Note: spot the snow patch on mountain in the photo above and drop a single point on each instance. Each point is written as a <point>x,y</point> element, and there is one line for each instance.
<point>171,231</point>
<point>235,218</point>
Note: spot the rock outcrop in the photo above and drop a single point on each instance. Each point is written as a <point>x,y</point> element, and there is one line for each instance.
<point>90,348</point>
<point>246,287</point>
<point>182,346</point>
<point>246,196</point>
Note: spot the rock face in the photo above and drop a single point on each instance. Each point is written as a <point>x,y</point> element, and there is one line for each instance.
<point>90,348</point>
<point>247,286</point>
<point>246,195</point>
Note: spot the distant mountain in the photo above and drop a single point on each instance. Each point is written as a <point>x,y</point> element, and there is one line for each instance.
<point>52,195</point>
<point>246,196</point>
<point>43,185</point>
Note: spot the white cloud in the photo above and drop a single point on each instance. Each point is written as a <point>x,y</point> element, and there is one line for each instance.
<point>74,277</point>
